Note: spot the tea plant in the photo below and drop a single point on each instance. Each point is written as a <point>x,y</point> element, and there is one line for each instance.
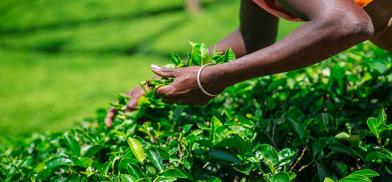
<point>198,56</point>
<point>323,123</point>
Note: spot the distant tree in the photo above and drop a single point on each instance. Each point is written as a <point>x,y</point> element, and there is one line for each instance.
<point>193,6</point>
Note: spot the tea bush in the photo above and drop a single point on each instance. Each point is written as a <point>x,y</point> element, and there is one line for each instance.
<point>323,123</point>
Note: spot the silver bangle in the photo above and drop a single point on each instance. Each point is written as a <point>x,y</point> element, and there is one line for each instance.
<point>199,82</point>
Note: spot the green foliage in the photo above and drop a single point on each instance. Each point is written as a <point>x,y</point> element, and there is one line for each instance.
<point>47,13</point>
<point>137,149</point>
<point>198,56</point>
<point>313,124</point>
<point>60,60</point>
<point>357,176</point>
<point>44,92</point>
<point>378,125</point>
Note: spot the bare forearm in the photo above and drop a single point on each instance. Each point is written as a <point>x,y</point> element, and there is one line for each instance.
<point>327,32</point>
<point>233,41</point>
<point>258,29</point>
<point>310,44</point>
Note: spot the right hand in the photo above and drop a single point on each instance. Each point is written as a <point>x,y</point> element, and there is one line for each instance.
<point>134,95</point>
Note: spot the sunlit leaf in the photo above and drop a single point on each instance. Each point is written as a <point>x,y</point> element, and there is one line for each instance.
<point>137,149</point>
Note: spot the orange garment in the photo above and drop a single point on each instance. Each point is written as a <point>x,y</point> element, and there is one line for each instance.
<point>363,3</point>
<point>273,7</point>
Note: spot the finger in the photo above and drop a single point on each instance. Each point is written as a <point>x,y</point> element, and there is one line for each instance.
<point>109,117</point>
<point>132,104</point>
<point>163,91</point>
<point>163,72</point>
<point>135,95</point>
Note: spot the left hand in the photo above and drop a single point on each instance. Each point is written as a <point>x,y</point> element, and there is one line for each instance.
<point>134,95</point>
<point>184,89</point>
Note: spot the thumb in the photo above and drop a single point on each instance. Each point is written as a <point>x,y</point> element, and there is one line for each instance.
<point>163,72</point>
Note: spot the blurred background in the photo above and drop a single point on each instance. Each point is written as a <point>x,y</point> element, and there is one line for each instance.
<point>60,60</point>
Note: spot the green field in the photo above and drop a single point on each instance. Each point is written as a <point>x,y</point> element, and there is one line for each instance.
<point>60,61</point>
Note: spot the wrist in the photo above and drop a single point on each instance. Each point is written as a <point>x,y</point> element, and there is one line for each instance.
<point>213,79</point>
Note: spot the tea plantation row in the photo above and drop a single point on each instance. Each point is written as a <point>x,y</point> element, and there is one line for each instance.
<point>327,122</point>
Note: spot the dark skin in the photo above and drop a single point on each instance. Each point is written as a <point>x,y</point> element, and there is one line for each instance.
<point>331,26</point>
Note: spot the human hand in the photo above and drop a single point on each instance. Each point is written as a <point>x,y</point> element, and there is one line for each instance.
<point>184,89</point>
<point>134,95</point>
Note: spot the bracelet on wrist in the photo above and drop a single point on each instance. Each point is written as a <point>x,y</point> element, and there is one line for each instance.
<point>199,81</point>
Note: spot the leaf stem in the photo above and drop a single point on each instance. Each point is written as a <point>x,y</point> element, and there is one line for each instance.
<point>299,158</point>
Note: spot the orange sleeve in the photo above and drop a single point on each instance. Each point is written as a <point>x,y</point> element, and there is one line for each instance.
<point>363,3</point>
<point>274,8</point>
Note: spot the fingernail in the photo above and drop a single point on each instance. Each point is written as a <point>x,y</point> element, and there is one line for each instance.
<point>155,67</point>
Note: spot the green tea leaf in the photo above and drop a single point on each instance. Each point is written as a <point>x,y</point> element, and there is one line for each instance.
<point>379,157</point>
<point>229,55</point>
<point>235,142</point>
<point>269,153</point>
<point>360,176</point>
<point>378,125</point>
<point>137,149</point>
<point>355,178</point>
<point>126,178</point>
<point>322,171</point>
<point>82,162</point>
<point>213,179</point>
<point>91,150</point>
<point>223,155</point>
<point>134,171</point>
<point>366,172</point>
<point>286,156</point>
<point>175,173</point>
<point>155,159</point>
<point>328,180</point>
<point>196,54</point>
<point>57,162</point>
<point>342,136</point>
<point>53,163</point>
<point>176,60</point>
<point>72,144</point>
<point>216,130</point>
<point>280,177</point>
<point>292,116</point>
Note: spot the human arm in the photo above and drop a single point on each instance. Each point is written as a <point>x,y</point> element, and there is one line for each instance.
<point>134,95</point>
<point>331,26</point>
<point>258,29</point>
